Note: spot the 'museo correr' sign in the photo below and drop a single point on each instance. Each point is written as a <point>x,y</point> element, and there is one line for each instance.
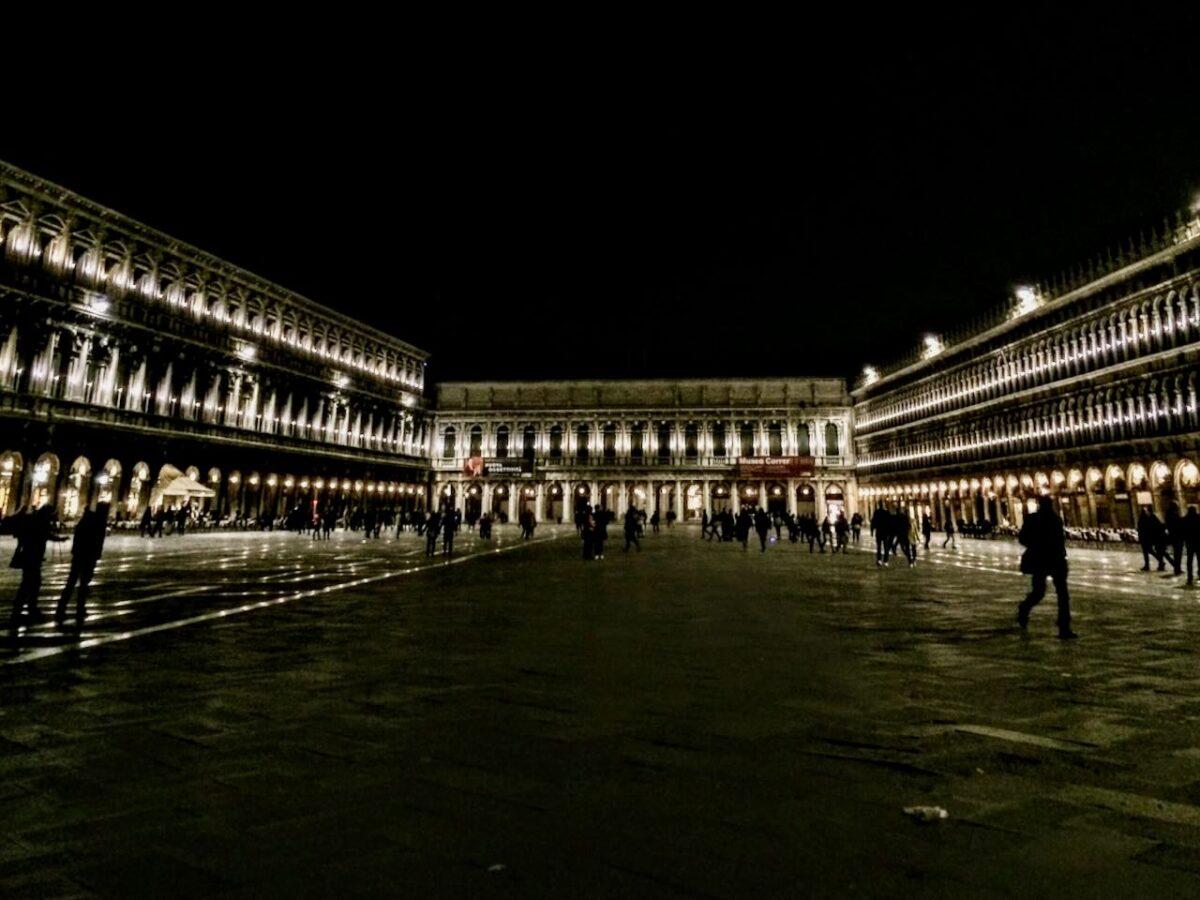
<point>775,467</point>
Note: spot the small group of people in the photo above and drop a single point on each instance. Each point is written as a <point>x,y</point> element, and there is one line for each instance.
<point>154,522</point>
<point>1167,542</point>
<point>591,522</point>
<point>446,524</point>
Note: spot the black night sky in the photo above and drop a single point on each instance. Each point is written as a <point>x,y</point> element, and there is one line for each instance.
<point>803,210</point>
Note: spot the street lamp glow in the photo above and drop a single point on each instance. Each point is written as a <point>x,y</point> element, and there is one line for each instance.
<point>933,346</point>
<point>870,375</point>
<point>1027,300</point>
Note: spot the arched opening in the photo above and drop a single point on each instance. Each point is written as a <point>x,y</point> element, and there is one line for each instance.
<point>777,498</point>
<point>448,441</point>
<point>473,503</point>
<point>476,441</point>
<point>502,442</point>
<point>806,499</point>
<point>529,442</point>
<point>803,441</point>
<point>748,494</point>
<point>720,499</point>
<point>44,482</point>
<point>1188,476</point>
<point>11,465</point>
<point>693,502</point>
<point>73,498</point>
<point>835,501</point>
<point>555,504</point>
<point>108,482</point>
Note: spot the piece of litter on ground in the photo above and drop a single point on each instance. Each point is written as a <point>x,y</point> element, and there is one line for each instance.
<point>497,867</point>
<point>926,813</point>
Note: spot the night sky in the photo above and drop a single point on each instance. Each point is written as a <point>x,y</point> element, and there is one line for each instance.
<point>799,211</point>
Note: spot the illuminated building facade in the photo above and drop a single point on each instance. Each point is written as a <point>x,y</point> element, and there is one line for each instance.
<point>686,446</point>
<point>1084,391</point>
<point>128,357</point>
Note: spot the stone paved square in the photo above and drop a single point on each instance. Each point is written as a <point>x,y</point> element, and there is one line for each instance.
<point>261,715</point>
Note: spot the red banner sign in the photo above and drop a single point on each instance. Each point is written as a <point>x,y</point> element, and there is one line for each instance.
<point>775,467</point>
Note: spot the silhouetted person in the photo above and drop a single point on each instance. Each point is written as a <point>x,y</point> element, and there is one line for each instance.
<point>762,525</point>
<point>1191,536</point>
<point>449,529</point>
<point>926,529</point>
<point>1175,537</point>
<point>600,533</point>
<point>432,526</point>
<point>654,519</point>
<point>631,530</point>
<point>881,530</point>
<point>856,524</point>
<point>1045,557</point>
<point>950,533</point>
<point>587,531</point>
<point>33,530</point>
<point>901,528</point>
<point>840,529</point>
<point>745,522</point>
<point>86,547</point>
<point>1149,530</point>
<point>147,527</point>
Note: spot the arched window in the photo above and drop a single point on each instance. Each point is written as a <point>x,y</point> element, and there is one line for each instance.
<point>691,440</point>
<point>556,435</point>
<point>582,433</point>
<point>448,439</point>
<point>476,441</point>
<point>775,435</point>
<point>610,441</point>
<point>803,447</point>
<point>832,442</point>
<point>635,440</point>
<point>664,440</point>
<point>502,442</point>
<point>528,442</point>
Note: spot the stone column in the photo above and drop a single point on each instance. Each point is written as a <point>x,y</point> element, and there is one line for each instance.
<point>819,499</point>
<point>678,501</point>
<point>791,497</point>
<point>706,488</point>
<point>539,503</point>
<point>762,495</point>
<point>485,501</point>
<point>513,501</point>
<point>622,500</point>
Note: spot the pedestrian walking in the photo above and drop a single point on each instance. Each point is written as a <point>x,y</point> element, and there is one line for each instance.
<point>856,524</point>
<point>1150,536</point>
<point>33,530</point>
<point>587,531</point>
<point>631,530</point>
<point>881,530</point>
<point>950,533</point>
<point>432,526</point>
<point>86,547</point>
<point>1045,556</point>
<point>762,525</point>
<point>1191,537</point>
<point>600,532</point>
<point>926,529</point>
<point>654,521</point>
<point>1175,537</point>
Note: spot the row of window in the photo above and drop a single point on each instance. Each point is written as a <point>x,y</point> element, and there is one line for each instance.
<point>747,443</point>
<point>1162,322</point>
<point>1135,409</point>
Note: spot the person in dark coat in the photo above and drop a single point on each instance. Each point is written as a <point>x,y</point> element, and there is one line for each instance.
<point>147,528</point>
<point>881,530</point>
<point>600,533</point>
<point>1191,536</point>
<point>631,530</point>
<point>33,530</point>
<point>587,531</point>
<point>762,524</point>
<point>1150,530</point>
<point>432,526</point>
<point>86,548</point>
<point>1045,556</point>
<point>1175,537</point>
<point>926,528</point>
